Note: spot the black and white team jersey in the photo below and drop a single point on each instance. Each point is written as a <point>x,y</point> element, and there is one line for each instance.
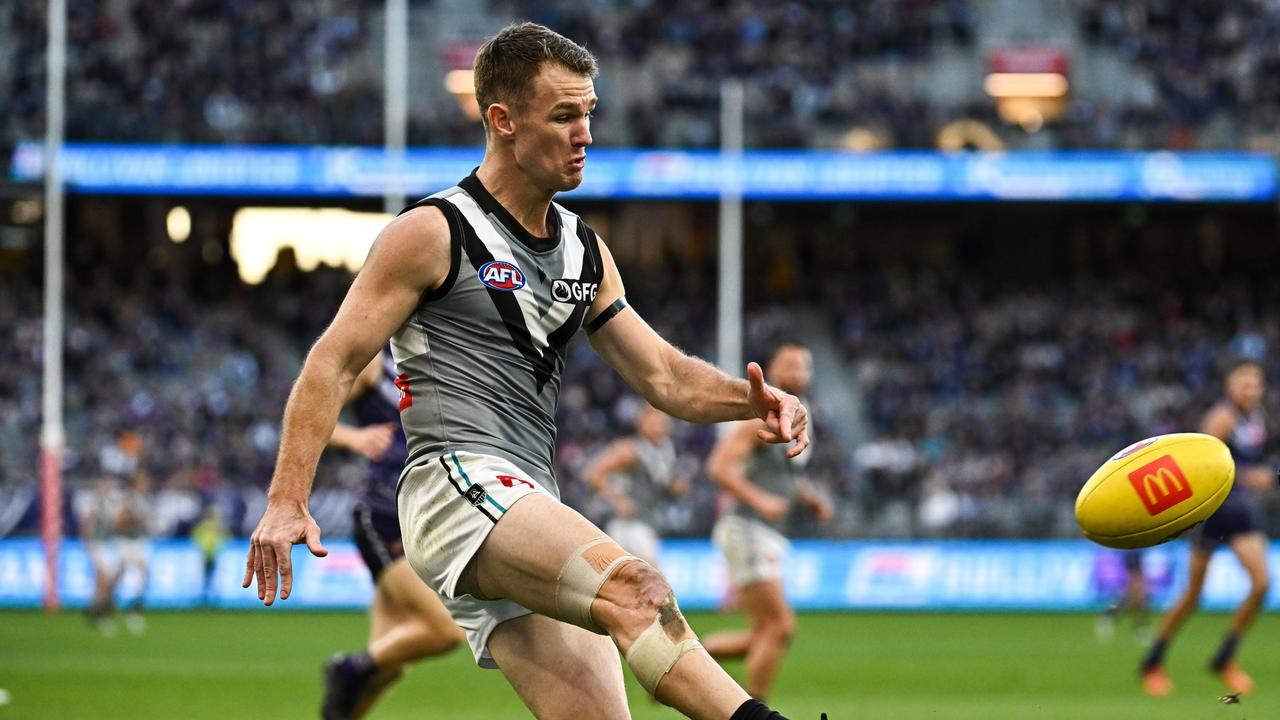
<point>480,358</point>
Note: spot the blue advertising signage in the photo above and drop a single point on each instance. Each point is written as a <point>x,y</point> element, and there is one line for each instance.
<point>338,172</point>
<point>974,575</point>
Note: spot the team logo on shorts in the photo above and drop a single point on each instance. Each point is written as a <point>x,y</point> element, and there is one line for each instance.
<point>476,495</point>
<point>501,275</point>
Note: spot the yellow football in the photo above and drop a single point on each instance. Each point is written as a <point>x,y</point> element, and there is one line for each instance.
<point>1153,491</point>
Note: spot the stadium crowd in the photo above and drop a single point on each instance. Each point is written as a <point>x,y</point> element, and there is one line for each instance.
<point>1203,75</point>
<point>989,409</point>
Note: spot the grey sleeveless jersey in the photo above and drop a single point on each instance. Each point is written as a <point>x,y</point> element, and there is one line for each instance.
<point>646,482</point>
<point>769,469</point>
<point>481,356</point>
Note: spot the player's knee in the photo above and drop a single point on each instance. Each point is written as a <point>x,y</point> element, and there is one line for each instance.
<point>778,629</point>
<point>437,641</point>
<point>636,595</point>
<point>786,629</point>
<point>1261,586</point>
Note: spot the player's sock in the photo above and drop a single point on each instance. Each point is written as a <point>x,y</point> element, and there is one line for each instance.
<point>358,665</point>
<point>1226,651</point>
<point>755,710</point>
<point>1155,656</point>
<point>345,676</point>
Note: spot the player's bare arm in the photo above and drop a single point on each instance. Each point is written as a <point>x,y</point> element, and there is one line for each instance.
<point>410,257</point>
<point>808,496</point>
<point>619,456</point>
<point>725,464</point>
<point>687,387</point>
<point>1219,423</point>
<point>370,441</point>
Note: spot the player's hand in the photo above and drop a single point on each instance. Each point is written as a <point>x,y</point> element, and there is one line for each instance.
<point>784,416</point>
<point>282,526</point>
<point>821,509</point>
<point>372,441</point>
<point>769,506</point>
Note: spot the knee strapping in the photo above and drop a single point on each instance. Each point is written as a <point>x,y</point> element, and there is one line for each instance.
<point>582,576</point>
<point>656,651</point>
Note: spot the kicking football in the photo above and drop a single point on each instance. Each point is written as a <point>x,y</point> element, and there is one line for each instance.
<point>1155,490</point>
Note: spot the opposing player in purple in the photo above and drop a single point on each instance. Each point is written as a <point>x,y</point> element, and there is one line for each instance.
<point>1238,421</point>
<point>407,621</point>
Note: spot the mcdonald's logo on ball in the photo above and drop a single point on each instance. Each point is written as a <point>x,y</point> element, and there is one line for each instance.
<point>1160,484</point>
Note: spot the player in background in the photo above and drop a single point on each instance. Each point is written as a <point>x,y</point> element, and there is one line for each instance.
<point>407,622</point>
<point>636,474</point>
<point>763,485</point>
<point>115,535</point>
<point>480,288</point>
<point>1133,600</point>
<point>1238,421</point>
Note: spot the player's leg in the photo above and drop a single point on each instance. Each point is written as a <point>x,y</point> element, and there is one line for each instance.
<point>1154,679</point>
<point>560,670</point>
<point>417,624</point>
<point>1251,549</point>
<point>728,644</point>
<point>550,572</point>
<point>134,556</point>
<point>773,623</point>
<point>1136,598</point>
<point>107,572</point>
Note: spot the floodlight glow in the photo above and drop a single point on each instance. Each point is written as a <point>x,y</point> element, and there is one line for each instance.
<point>1047,85</point>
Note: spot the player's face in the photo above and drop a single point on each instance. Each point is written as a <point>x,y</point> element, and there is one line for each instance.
<point>553,129</point>
<point>653,424</point>
<point>791,369</point>
<point>1245,386</point>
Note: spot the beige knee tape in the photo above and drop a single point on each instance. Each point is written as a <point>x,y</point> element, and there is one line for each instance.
<point>583,574</point>
<point>654,653</point>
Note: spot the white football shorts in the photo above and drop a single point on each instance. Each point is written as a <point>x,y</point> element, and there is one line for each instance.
<point>753,551</point>
<point>447,508</point>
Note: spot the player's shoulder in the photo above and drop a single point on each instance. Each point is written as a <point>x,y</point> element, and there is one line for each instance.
<point>418,236</point>
<point>422,219</point>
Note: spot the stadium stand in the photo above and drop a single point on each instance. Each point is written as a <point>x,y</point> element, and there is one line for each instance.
<point>1181,75</point>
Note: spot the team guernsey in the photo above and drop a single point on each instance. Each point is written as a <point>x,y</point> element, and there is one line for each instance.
<point>769,469</point>
<point>647,481</point>
<point>480,358</point>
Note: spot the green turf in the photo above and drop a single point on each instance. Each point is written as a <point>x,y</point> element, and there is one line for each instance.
<point>900,666</point>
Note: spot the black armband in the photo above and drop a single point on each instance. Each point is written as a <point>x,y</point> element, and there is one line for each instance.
<point>607,314</point>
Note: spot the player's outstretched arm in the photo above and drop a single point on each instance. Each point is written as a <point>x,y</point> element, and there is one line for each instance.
<point>410,257</point>
<point>684,386</point>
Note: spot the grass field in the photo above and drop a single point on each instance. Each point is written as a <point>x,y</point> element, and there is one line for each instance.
<point>900,666</point>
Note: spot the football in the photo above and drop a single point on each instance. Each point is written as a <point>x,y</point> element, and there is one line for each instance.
<point>1155,490</point>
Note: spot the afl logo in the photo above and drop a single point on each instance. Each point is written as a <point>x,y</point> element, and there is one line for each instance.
<point>501,275</point>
